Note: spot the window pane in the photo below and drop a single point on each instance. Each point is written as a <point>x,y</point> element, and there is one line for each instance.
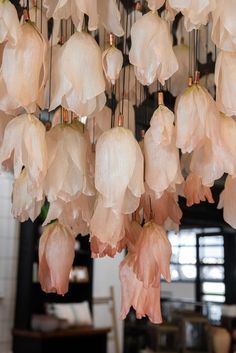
<point>212,272</point>
<point>211,255</point>
<point>213,288</point>
<point>212,240</point>
<point>214,298</point>
<point>183,255</point>
<point>184,272</point>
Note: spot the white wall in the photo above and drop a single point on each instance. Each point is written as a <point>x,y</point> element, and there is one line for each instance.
<point>9,237</point>
<point>106,274</point>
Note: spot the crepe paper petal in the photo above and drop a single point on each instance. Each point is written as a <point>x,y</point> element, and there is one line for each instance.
<point>99,249</point>
<point>151,51</point>
<point>109,17</point>
<point>67,147</point>
<point>4,120</point>
<point>146,301</point>
<point>225,78</point>
<point>79,96</point>
<point>196,12</point>
<point>107,225</point>
<point>227,201</point>
<point>56,255</point>
<point>9,23</point>
<point>75,214</point>
<point>154,5</point>
<point>25,136</point>
<point>152,255</point>
<point>195,192</point>
<point>112,61</point>
<point>196,118</point>
<point>38,17</point>
<point>179,80</point>
<point>162,164</point>
<point>169,13</point>
<point>23,71</point>
<point>224,27</point>
<point>119,169</point>
<point>99,123</point>
<point>127,109</point>
<point>215,157</point>
<point>24,206</point>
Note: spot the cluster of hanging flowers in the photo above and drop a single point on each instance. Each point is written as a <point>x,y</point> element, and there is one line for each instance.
<point>96,177</point>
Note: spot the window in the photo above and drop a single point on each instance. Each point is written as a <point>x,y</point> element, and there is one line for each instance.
<point>198,256</point>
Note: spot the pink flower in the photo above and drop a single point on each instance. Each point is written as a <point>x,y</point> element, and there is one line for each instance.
<point>56,255</point>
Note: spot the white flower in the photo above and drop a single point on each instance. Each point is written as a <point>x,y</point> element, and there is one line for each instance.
<point>225,80</point>
<point>9,23</point>
<point>162,164</point>
<point>224,25</point>
<point>25,137</point>
<point>112,61</point>
<point>196,12</point>
<point>151,52</point>
<point>80,57</point>
<point>23,71</point>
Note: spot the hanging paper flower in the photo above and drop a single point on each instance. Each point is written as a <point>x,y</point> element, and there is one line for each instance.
<point>227,201</point>
<point>99,11</point>
<point>79,96</point>
<point>195,192</point>
<point>107,225</point>
<point>160,210</point>
<point>162,165</point>
<point>224,28</point>
<point>23,70</point>
<point>151,52</point>
<point>67,147</point>
<point>119,170</point>
<point>225,78</point>
<point>195,12</point>
<point>152,256</point>
<point>196,118</point>
<point>4,120</point>
<point>25,136</point>
<point>112,61</point>
<point>9,23</point>
<point>217,156</point>
<point>75,214</point>
<point>145,301</point>
<point>56,255</point>
<point>24,206</point>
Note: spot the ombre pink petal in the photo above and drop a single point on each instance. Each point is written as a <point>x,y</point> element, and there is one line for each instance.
<point>166,207</point>
<point>152,255</point>
<point>195,192</point>
<point>56,255</point>
<point>146,301</point>
<point>227,201</point>
<point>99,249</point>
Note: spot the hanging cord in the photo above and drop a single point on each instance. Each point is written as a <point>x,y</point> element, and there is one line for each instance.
<point>50,79</point>
<point>36,12</point>
<point>41,19</point>
<point>124,48</point>
<point>196,49</point>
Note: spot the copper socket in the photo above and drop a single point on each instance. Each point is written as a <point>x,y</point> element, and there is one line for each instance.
<point>160,98</point>
<point>190,81</point>
<point>65,115</point>
<point>196,76</point>
<point>111,39</point>
<point>120,120</point>
<point>26,15</point>
<point>142,133</point>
